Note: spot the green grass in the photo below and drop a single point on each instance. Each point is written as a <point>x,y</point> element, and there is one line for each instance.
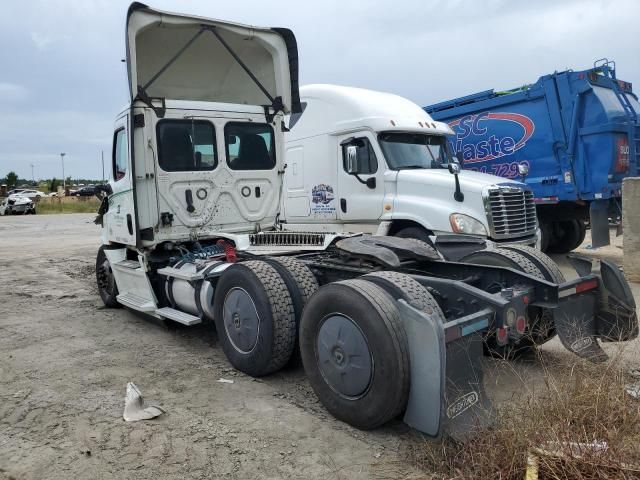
<point>46,207</point>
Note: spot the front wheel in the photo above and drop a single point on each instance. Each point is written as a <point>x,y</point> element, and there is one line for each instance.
<point>107,287</point>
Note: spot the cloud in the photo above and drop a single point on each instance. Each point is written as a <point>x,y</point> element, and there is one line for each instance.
<point>10,92</point>
<point>41,41</point>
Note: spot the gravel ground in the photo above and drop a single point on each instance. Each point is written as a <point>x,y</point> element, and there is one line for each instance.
<point>65,361</point>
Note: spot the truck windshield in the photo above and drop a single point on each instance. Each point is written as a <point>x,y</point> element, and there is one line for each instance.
<point>414,150</point>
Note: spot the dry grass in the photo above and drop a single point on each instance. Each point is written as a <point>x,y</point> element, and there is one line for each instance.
<point>579,403</point>
<point>68,205</point>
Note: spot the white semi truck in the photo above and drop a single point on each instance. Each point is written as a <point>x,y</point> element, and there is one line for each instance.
<point>365,161</point>
<point>384,325</point>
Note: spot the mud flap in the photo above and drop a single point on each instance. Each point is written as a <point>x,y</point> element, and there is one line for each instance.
<point>447,394</point>
<point>576,326</point>
<point>599,217</point>
<point>608,314</point>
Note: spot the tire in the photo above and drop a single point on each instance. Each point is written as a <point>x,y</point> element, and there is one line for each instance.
<point>401,286</point>
<point>567,236</point>
<point>540,329</point>
<point>374,389</point>
<point>105,280</point>
<point>418,233</point>
<point>302,284</point>
<point>254,318</point>
<point>545,264</point>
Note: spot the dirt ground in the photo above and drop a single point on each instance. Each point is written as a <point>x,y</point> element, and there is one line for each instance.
<point>65,362</point>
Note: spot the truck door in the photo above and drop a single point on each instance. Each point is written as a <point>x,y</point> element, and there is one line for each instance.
<point>187,162</point>
<point>360,179</point>
<point>121,214</point>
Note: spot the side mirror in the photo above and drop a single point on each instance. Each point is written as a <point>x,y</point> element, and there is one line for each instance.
<point>352,159</point>
<point>454,168</point>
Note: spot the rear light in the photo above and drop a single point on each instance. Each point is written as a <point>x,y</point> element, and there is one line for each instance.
<point>622,155</point>
<point>521,325</point>
<point>588,285</point>
<point>502,336</point>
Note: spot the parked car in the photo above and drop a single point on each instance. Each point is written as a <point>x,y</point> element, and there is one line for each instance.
<point>37,194</point>
<point>88,191</point>
<point>17,204</point>
<point>14,191</point>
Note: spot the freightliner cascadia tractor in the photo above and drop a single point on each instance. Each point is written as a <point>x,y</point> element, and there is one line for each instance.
<point>384,326</point>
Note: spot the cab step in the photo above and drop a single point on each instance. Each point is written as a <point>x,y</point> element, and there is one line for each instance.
<point>178,316</point>
<point>180,274</point>
<point>136,302</point>
<point>131,264</point>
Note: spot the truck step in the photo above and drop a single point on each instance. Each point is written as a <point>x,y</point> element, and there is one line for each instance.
<point>136,302</point>
<point>132,264</point>
<point>178,316</point>
<point>180,275</point>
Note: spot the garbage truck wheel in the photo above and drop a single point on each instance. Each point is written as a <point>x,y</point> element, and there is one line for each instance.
<point>355,352</point>
<point>539,320</point>
<point>402,286</point>
<point>107,287</point>
<point>567,236</point>
<point>254,318</point>
<point>302,284</point>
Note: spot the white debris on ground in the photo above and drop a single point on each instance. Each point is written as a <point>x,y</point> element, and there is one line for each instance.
<point>633,389</point>
<point>224,380</point>
<point>134,407</point>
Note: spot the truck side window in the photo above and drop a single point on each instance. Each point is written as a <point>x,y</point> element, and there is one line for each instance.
<point>186,145</point>
<point>250,146</point>
<point>119,154</point>
<point>367,161</point>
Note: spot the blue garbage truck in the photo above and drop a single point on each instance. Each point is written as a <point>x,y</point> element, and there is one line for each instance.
<point>576,135</point>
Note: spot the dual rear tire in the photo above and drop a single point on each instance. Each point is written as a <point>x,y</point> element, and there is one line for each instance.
<point>352,341</point>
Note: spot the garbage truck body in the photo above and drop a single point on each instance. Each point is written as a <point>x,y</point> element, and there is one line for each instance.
<point>384,326</point>
<point>577,131</point>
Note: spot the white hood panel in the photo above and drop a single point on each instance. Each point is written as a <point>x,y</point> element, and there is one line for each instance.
<point>470,181</point>
<point>206,70</point>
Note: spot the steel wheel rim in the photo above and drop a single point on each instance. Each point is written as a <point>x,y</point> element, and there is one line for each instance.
<point>344,357</point>
<point>241,320</point>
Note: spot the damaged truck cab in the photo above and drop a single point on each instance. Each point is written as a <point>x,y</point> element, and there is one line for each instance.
<point>198,151</point>
<point>384,326</point>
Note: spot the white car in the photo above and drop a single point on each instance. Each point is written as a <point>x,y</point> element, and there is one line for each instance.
<point>17,204</point>
<point>33,194</point>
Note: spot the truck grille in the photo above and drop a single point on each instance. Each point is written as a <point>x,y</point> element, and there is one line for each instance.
<point>511,212</point>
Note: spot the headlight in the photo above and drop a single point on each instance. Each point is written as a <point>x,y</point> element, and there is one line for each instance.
<point>461,223</point>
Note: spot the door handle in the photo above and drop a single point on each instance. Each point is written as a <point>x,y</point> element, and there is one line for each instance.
<point>343,205</point>
<point>188,196</point>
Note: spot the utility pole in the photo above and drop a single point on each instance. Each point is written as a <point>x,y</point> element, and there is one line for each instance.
<point>33,179</point>
<point>102,156</point>
<point>64,180</point>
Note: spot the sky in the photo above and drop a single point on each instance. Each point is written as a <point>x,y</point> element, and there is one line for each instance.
<point>62,80</point>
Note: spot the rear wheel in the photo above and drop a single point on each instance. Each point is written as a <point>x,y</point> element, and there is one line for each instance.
<point>540,327</point>
<point>401,286</point>
<point>302,284</point>
<point>355,353</point>
<point>107,287</point>
<point>255,318</point>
